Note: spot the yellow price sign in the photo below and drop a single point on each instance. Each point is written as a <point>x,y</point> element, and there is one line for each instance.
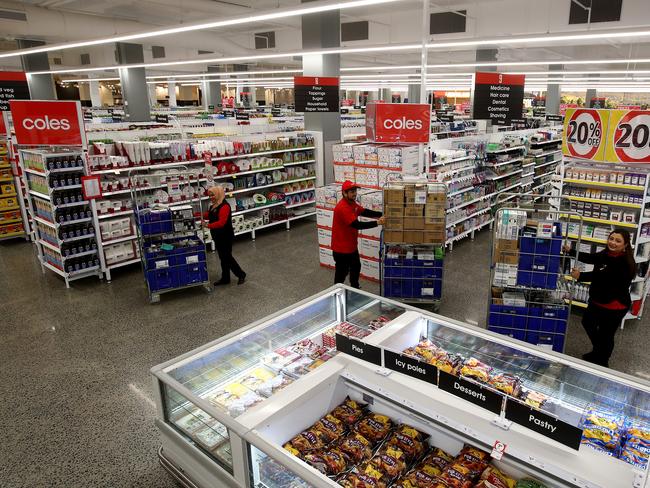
<point>585,133</point>
<point>628,137</point>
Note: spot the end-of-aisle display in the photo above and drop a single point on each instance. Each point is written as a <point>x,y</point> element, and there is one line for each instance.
<point>11,218</point>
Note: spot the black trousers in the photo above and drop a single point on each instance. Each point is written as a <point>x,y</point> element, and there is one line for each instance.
<point>228,262</point>
<point>601,325</point>
<point>347,264</point>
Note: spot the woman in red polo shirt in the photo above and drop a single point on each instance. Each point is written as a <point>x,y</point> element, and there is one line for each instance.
<point>609,293</point>
<point>345,234</point>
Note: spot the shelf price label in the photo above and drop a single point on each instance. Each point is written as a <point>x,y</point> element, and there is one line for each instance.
<point>628,137</point>
<point>584,133</point>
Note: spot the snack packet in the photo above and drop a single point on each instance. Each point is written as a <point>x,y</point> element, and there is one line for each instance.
<point>331,427</point>
<point>497,478</point>
<point>366,476</point>
<point>437,459</point>
<point>473,459</point>
<point>330,462</point>
<point>390,460</point>
<point>357,447</point>
<point>457,476</point>
<point>506,383</point>
<point>473,368</point>
<point>374,427</point>
<point>309,440</point>
<point>409,440</point>
<point>349,411</point>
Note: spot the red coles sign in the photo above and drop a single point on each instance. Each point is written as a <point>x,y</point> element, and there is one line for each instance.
<point>398,122</point>
<point>48,122</point>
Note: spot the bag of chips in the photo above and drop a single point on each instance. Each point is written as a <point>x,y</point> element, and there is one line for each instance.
<point>357,447</point>
<point>636,448</point>
<point>309,440</point>
<point>496,478</point>
<point>473,368</point>
<point>602,429</point>
<point>506,383</point>
<point>330,462</point>
<point>390,460</point>
<point>331,427</point>
<point>374,427</point>
<point>417,479</point>
<point>457,476</point>
<point>289,447</point>
<point>473,459</point>
<point>409,440</point>
<point>349,411</point>
<point>366,476</point>
<point>437,459</point>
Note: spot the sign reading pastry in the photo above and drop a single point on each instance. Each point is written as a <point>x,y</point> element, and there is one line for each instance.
<point>316,93</point>
<point>498,97</point>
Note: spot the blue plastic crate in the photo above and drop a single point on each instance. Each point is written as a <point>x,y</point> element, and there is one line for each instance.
<point>192,273</point>
<point>162,279</point>
<point>408,287</point>
<point>532,337</point>
<point>514,333</point>
<point>558,343</point>
<point>392,272</point>
<point>540,245</point>
<point>393,287</point>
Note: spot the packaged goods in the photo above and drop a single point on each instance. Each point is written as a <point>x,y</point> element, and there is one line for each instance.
<point>409,440</point>
<point>357,447</point>
<point>330,462</point>
<point>390,460</point>
<point>374,427</point>
<point>473,368</point>
<point>349,411</point>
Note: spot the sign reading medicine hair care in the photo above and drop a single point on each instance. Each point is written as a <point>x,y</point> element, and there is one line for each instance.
<point>498,97</point>
<point>316,94</point>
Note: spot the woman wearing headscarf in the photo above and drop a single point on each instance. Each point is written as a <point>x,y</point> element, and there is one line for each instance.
<point>219,221</point>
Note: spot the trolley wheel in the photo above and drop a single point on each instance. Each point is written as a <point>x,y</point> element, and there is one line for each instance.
<point>155,298</point>
<point>208,288</point>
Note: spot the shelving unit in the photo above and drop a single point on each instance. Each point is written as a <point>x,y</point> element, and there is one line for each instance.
<point>65,236</point>
<point>11,219</point>
<point>610,196</point>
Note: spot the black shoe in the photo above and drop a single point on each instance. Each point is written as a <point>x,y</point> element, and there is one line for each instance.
<point>217,283</point>
<point>588,356</point>
<point>242,280</point>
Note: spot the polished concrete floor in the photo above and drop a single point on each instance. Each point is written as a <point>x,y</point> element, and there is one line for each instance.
<point>77,407</point>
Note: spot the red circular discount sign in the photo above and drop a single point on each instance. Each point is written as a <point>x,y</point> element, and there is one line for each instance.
<point>584,133</point>
<point>632,137</point>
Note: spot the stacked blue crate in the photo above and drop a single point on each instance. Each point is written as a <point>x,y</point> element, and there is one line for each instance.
<point>540,322</point>
<point>413,278</point>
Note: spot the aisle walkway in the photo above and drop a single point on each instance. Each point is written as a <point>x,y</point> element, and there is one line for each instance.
<point>76,390</point>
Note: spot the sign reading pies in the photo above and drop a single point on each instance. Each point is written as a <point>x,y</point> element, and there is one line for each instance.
<point>13,86</point>
<point>498,97</point>
<point>316,94</point>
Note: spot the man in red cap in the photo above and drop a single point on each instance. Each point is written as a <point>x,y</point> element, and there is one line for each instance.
<point>345,233</point>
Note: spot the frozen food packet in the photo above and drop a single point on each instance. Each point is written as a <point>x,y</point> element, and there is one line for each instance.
<point>449,363</point>
<point>437,458</point>
<point>417,479</point>
<point>331,427</point>
<point>366,476</point>
<point>289,447</point>
<point>473,368</point>
<point>390,460</point>
<point>409,440</point>
<point>497,478</point>
<point>330,462</point>
<point>506,383</point>
<point>357,447</point>
<point>349,411</point>
<point>374,427</point>
<point>474,459</point>
<point>457,476</point>
<point>534,399</point>
<point>309,440</point>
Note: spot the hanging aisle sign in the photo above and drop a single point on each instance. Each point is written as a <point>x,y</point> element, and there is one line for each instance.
<point>584,133</point>
<point>498,97</point>
<point>13,86</point>
<point>316,94</point>
<point>51,123</point>
<point>398,122</point>
<point>628,137</point>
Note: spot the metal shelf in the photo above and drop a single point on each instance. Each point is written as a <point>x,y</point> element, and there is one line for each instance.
<point>114,214</point>
<point>261,207</point>
<point>505,149</point>
<point>279,183</point>
<point>606,185</point>
<point>301,204</point>
<point>606,202</point>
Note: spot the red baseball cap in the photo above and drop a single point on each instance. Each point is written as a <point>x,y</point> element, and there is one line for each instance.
<point>348,185</point>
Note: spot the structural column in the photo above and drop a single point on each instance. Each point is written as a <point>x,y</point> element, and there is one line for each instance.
<point>385,95</point>
<point>171,93</point>
<point>134,83</point>
<point>414,93</point>
<point>212,89</point>
<point>553,92</point>
<point>95,94</point>
<point>323,30</point>
<point>41,87</point>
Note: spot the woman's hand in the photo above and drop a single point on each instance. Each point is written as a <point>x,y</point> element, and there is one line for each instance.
<point>575,273</point>
<point>566,248</point>
<point>206,223</point>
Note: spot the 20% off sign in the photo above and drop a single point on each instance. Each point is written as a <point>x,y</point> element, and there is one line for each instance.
<point>584,131</point>
<point>628,138</point>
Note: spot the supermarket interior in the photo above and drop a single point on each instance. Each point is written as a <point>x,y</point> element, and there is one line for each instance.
<point>434,214</point>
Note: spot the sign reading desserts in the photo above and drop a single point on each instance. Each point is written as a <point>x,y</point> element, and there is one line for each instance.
<point>498,97</point>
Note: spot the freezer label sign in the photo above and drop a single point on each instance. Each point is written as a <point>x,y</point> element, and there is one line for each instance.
<point>471,392</point>
<point>47,122</point>
<point>358,349</point>
<point>543,424</point>
<point>628,140</point>
<point>585,131</point>
<point>411,367</point>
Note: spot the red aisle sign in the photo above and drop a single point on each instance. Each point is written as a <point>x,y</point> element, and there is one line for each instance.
<point>398,122</point>
<point>48,122</point>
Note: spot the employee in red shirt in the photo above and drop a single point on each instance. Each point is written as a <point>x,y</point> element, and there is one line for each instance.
<point>345,233</point>
<point>219,221</point>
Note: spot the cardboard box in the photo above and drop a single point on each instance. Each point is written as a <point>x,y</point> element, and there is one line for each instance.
<point>436,198</point>
<point>504,244</point>
<point>372,232</point>
<point>414,236</point>
<point>370,269</point>
<point>434,211</point>
<point>394,195</point>
<point>325,237</point>
<point>393,210</point>
<point>439,227</point>
<point>428,220</point>
<point>413,223</point>
<point>414,211</point>
<point>506,256</point>
<point>393,236</point>
<point>430,237</point>
<point>326,257</point>
<point>394,223</point>
<point>369,248</point>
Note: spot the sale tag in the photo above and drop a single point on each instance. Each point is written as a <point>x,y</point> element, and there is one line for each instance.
<point>585,132</point>
<point>498,450</point>
<point>628,137</point>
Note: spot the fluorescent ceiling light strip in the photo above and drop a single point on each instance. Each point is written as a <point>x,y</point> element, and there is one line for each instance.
<point>274,14</point>
<point>226,74</point>
<point>235,80</point>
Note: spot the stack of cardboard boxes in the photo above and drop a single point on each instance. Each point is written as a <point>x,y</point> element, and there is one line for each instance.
<point>415,214</point>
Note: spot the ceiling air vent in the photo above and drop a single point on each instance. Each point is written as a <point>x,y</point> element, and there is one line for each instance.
<point>354,31</point>
<point>201,52</point>
<point>157,52</point>
<point>13,15</point>
<point>85,59</point>
<point>57,61</point>
<point>448,22</point>
<point>601,11</point>
<point>264,40</point>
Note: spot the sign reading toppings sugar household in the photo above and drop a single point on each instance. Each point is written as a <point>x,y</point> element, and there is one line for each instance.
<point>498,97</point>
<point>316,94</point>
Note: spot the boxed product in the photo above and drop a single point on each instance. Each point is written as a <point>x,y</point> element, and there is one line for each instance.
<point>505,274</point>
<point>413,223</point>
<point>393,236</point>
<point>394,195</point>
<point>370,268</point>
<point>369,247</point>
<point>325,237</point>
<point>414,236</point>
<point>326,258</point>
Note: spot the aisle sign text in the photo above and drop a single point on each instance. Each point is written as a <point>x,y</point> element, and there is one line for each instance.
<point>316,94</point>
<point>498,97</point>
<point>358,349</point>
<point>628,137</point>
<point>13,86</point>
<point>543,424</point>
<point>584,135</point>
<point>411,367</point>
<point>57,123</point>
<point>471,392</point>
<point>398,122</point>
